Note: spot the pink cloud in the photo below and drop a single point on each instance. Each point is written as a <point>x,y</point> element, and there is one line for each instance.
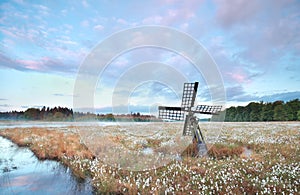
<point>31,64</point>
<point>8,33</point>
<point>178,12</point>
<point>230,12</point>
<point>238,77</point>
<point>41,64</point>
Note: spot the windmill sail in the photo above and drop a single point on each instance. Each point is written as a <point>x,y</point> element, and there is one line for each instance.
<point>187,113</point>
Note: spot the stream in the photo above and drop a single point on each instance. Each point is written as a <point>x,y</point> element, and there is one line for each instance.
<point>22,173</point>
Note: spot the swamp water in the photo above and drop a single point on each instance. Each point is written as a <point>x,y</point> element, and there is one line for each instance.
<point>22,173</point>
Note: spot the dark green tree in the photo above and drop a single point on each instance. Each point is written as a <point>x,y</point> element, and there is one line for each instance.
<point>293,107</point>
<point>32,114</point>
<point>255,110</point>
<point>298,115</point>
<point>231,114</point>
<point>267,112</point>
<point>280,113</point>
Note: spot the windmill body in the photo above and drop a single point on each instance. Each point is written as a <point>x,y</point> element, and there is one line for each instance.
<point>187,113</point>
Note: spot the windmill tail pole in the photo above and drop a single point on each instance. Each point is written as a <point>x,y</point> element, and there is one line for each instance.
<point>201,145</point>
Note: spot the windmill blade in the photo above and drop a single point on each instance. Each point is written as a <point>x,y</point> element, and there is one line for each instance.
<point>171,113</point>
<point>189,95</point>
<point>207,109</point>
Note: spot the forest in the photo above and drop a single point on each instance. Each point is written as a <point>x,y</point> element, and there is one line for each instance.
<point>264,111</point>
<point>66,114</point>
<point>254,111</point>
<point>47,114</point>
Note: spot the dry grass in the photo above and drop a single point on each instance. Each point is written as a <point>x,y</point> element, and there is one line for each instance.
<point>48,144</point>
<point>153,143</point>
<point>220,151</point>
<point>191,150</point>
<point>273,166</point>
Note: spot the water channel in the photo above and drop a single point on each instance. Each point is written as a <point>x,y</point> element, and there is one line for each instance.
<point>22,173</point>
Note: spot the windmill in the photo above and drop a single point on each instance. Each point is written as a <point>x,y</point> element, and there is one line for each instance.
<point>187,113</point>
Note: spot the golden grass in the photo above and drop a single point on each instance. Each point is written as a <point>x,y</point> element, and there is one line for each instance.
<point>225,161</point>
<point>48,144</point>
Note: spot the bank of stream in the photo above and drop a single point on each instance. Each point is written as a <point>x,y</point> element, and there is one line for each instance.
<point>22,173</point>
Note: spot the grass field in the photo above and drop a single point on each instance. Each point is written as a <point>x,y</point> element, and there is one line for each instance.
<point>242,158</point>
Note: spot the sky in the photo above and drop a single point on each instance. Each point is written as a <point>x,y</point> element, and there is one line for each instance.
<point>44,44</point>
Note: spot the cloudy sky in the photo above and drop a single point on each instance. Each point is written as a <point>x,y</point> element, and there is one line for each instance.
<point>255,45</point>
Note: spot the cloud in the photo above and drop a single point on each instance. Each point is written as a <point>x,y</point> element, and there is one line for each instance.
<point>122,21</point>
<point>234,92</point>
<point>240,97</point>
<point>58,94</point>
<point>64,12</point>
<point>3,99</point>
<point>153,92</point>
<point>42,10</point>
<point>178,13</point>
<point>65,40</point>
<point>257,39</point>
<point>260,34</point>
<point>265,29</point>
<point>287,96</point>
<point>149,109</point>
<point>31,64</point>
<point>85,23</point>
<point>98,27</point>
<point>231,12</point>
<point>233,67</point>
<point>85,4</point>
<point>9,63</point>
<point>153,20</point>
<point>38,36</point>
<point>41,44</point>
<point>44,64</point>
<point>238,94</point>
<point>248,39</point>
<point>5,105</point>
<point>240,75</point>
<point>62,95</point>
<point>19,1</point>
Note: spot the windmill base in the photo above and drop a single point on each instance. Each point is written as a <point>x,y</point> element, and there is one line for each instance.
<point>202,149</point>
<point>198,149</point>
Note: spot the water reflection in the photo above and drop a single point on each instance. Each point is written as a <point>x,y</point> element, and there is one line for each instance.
<point>22,173</point>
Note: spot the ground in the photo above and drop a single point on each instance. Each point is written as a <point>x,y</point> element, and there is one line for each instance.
<point>154,158</point>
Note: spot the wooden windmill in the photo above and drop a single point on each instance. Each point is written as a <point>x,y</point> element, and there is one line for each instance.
<point>187,113</point>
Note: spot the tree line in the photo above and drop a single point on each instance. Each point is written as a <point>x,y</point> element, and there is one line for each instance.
<point>261,111</point>
<point>46,114</point>
<point>66,114</point>
<point>136,117</point>
<point>254,111</point>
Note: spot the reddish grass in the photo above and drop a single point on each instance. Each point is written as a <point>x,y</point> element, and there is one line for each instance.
<point>220,151</point>
<point>48,144</point>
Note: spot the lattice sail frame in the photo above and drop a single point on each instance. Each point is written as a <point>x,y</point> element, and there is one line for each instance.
<point>191,127</point>
<point>171,113</point>
<point>189,95</point>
